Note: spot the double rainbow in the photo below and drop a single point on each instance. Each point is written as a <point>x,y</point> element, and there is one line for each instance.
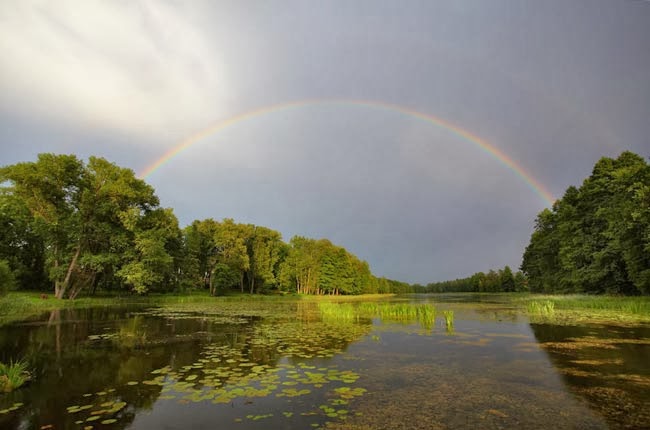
<point>463,134</point>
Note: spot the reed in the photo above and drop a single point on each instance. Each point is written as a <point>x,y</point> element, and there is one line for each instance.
<point>544,308</point>
<point>337,311</point>
<point>424,314</point>
<point>449,319</point>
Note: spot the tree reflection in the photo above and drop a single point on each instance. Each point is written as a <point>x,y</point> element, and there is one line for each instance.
<point>607,366</point>
<point>99,362</point>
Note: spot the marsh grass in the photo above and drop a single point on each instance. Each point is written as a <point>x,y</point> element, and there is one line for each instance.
<point>449,319</point>
<point>424,314</point>
<point>576,308</point>
<point>338,312</point>
<point>627,304</point>
<point>13,375</point>
<point>544,308</point>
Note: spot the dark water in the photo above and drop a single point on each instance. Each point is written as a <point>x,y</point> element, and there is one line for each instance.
<point>291,366</point>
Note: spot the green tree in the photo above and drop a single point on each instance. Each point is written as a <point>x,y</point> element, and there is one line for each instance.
<point>596,238</point>
<point>200,252</point>
<point>540,261</point>
<point>521,283</point>
<point>230,240</point>
<point>20,245</point>
<point>263,247</point>
<point>50,189</point>
<point>149,264</point>
<point>90,219</point>
<point>507,280</point>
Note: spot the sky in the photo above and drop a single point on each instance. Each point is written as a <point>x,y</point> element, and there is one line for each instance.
<point>419,135</point>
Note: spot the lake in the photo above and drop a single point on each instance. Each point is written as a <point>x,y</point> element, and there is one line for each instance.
<point>412,362</point>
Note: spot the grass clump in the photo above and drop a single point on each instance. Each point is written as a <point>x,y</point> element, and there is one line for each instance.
<point>424,314</point>
<point>338,311</point>
<point>543,308</point>
<point>13,375</point>
<point>449,319</point>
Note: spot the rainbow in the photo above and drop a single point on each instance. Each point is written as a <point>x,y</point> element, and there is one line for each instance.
<point>465,135</point>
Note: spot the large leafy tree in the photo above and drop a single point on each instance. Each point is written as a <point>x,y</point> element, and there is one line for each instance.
<point>264,248</point>
<point>199,239</point>
<point>20,245</point>
<point>232,253</point>
<point>150,262</point>
<point>92,219</point>
<point>50,188</point>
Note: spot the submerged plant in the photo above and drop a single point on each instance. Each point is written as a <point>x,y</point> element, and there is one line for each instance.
<point>13,375</point>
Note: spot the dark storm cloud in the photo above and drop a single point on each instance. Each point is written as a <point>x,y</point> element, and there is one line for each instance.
<point>554,85</point>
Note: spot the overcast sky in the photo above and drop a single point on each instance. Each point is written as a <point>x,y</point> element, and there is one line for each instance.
<point>553,84</point>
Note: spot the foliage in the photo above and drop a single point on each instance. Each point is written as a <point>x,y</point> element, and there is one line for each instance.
<point>20,244</point>
<point>596,238</point>
<point>7,280</point>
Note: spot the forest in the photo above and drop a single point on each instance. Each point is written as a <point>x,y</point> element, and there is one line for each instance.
<point>71,227</point>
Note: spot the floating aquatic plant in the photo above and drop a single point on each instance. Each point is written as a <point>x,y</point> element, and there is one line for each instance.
<point>223,375</point>
<point>13,407</point>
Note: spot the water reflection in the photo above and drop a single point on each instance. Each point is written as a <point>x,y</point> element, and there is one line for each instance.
<point>607,365</point>
<point>105,365</point>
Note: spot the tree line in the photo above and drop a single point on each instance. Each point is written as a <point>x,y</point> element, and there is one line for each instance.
<point>500,281</point>
<point>70,227</point>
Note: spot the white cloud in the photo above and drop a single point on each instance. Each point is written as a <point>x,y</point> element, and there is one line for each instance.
<point>138,67</point>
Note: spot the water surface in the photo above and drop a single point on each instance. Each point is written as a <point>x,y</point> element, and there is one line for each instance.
<point>292,365</point>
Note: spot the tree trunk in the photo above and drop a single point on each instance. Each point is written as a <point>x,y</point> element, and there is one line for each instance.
<point>211,283</point>
<point>66,281</point>
<point>81,284</point>
<point>57,283</point>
